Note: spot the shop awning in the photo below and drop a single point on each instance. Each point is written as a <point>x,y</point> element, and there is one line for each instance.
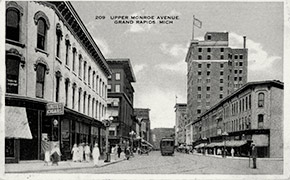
<point>146,142</point>
<point>227,144</point>
<point>200,145</point>
<point>16,123</point>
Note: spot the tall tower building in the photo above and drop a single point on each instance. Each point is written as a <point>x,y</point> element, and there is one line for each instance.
<point>214,70</point>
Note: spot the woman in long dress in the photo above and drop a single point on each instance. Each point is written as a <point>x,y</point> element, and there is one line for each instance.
<point>75,152</point>
<point>81,152</point>
<point>96,154</point>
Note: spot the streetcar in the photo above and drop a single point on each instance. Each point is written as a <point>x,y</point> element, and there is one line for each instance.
<point>167,146</point>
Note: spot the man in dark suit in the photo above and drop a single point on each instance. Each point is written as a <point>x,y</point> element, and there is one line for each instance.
<point>254,156</point>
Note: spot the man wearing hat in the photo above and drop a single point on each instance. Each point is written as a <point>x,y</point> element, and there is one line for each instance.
<point>254,155</point>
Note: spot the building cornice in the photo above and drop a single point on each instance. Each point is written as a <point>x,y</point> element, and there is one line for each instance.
<point>70,18</point>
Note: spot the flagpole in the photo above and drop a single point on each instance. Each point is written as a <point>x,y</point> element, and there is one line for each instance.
<point>193,27</point>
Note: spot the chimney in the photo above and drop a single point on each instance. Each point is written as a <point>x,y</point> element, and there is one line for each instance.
<point>245,38</point>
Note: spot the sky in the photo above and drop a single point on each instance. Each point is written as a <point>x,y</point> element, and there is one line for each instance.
<point>157,51</point>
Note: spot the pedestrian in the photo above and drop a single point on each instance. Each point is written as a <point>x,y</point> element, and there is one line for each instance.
<point>81,152</point>
<point>87,152</point>
<point>218,151</point>
<point>232,152</point>
<point>127,152</point>
<point>119,150</point>
<point>114,152</point>
<point>75,153</point>
<point>254,156</point>
<point>55,154</point>
<point>96,154</point>
<point>46,152</point>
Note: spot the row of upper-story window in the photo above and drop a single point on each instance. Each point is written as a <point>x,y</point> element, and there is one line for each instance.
<point>116,89</point>
<point>207,96</point>
<point>13,19</point>
<point>117,76</point>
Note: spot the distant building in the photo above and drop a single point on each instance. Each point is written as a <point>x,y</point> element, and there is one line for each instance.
<point>120,100</point>
<point>159,133</point>
<point>215,70</point>
<point>252,113</point>
<point>142,115</point>
<point>56,80</point>
<point>180,122</point>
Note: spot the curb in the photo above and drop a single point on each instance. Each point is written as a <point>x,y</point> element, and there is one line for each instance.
<point>65,168</point>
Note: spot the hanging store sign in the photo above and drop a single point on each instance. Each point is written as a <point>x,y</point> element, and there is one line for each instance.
<point>54,109</point>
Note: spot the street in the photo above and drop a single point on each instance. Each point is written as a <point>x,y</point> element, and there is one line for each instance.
<point>181,163</point>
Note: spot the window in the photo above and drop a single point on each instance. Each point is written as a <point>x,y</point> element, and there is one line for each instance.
<point>208,73</point>
<point>222,49</point>
<point>40,75</point>
<point>240,71</point>
<point>73,95</point>
<point>109,87</point>
<point>67,46</point>
<point>236,56</point>
<point>207,96</point>
<point>66,91</point>
<point>208,65</point>
<point>199,65</point>
<point>93,107</point>
<point>221,80</point>
<point>199,88</point>
<point>207,80</point>
<point>93,79</point>
<point>89,102</point>
<point>260,121</point>
<point>221,96</point>
<point>221,73</point>
<point>117,88</point>
<point>74,51</point>
<point>12,74</point>
<point>235,78</point>
<point>209,37</point>
<point>199,96</point>
<point>58,39</point>
<point>241,56</point>
<point>84,102</point>
<point>208,88</point>
<point>80,65</point>
<point>12,24</point>
<point>261,97</point>
<point>229,56</point>
<point>89,75</point>
<point>79,100</point>
<point>222,65</point>
<point>221,88</point>
<point>199,73</point>
<point>41,34</point>
<point>57,77</point>
<point>222,57</point>
<point>198,80</point>
<point>85,68</point>
<point>199,49</point>
<point>208,49</point>
<point>118,76</point>
<point>240,78</point>
<point>241,63</point>
<point>208,57</point>
<point>250,101</point>
<point>199,57</point>
<point>198,111</point>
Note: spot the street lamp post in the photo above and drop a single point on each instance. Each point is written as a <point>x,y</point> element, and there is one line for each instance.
<point>132,133</point>
<point>107,123</point>
<point>224,134</point>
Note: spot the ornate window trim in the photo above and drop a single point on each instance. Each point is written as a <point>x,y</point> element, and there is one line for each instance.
<point>41,60</point>
<point>40,14</point>
<point>14,52</point>
<point>14,5</point>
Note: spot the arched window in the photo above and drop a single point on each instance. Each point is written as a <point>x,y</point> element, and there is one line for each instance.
<point>261,97</point>
<point>67,81</point>
<point>12,24</point>
<point>58,78</point>
<point>89,101</point>
<point>73,95</point>
<point>79,100</point>
<point>40,79</point>
<point>84,103</point>
<point>74,51</point>
<point>80,65</point>
<point>260,121</point>
<point>12,74</point>
<point>67,47</point>
<point>41,33</point>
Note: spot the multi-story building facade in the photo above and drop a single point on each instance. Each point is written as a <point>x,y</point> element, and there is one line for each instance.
<point>121,96</point>
<point>142,115</point>
<point>180,122</point>
<point>57,74</point>
<point>253,113</point>
<point>214,71</point>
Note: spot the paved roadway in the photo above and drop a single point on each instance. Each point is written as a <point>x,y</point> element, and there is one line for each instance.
<point>181,163</point>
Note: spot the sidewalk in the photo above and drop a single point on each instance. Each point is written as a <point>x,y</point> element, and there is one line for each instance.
<point>38,166</point>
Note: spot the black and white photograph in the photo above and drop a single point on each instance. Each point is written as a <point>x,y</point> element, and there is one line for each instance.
<point>144,90</point>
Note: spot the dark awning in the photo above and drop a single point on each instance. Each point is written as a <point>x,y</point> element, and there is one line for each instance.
<point>16,123</point>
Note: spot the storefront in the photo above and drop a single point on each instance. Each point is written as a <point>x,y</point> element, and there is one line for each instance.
<point>67,128</point>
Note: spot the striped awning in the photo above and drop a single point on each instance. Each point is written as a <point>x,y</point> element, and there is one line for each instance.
<point>16,123</point>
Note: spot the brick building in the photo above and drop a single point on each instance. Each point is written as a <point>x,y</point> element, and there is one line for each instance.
<point>56,80</point>
<point>120,100</point>
<point>252,113</point>
<point>180,122</point>
<point>214,71</point>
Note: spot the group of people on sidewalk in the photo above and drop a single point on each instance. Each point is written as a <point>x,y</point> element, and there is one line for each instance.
<point>83,153</point>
